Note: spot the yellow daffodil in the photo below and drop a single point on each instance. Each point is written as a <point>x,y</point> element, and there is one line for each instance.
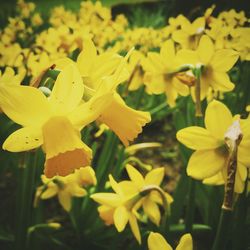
<point>53,122</point>
<point>150,183</point>
<point>156,241</point>
<point>119,208</point>
<point>214,65</point>
<point>126,122</point>
<point>208,162</point>
<point>160,69</point>
<point>68,186</point>
<point>189,34</point>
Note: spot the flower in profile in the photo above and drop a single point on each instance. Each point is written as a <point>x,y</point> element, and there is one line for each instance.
<point>209,161</point>
<point>53,122</point>
<point>155,196</point>
<point>119,208</point>
<point>66,187</point>
<point>160,69</point>
<point>214,65</point>
<point>108,70</point>
<point>156,241</point>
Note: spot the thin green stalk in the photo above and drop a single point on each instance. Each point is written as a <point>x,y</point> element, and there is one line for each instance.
<point>26,183</point>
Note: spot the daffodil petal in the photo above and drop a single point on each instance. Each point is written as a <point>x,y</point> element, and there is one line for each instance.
<point>168,50</point>
<point>218,119</point>
<point>197,138</point>
<point>24,105</point>
<point>24,139</point>
<point>224,59</point>
<point>205,49</point>
<point>155,177</point>
<point>121,217</point>
<point>186,243</point>
<point>108,199</point>
<point>221,81</point>
<point>216,179</point>
<point>68,90</point>
<point>135,176</point>
<point>205,163</point>
<point>156,241</point>
<point>135,228</point>
<point>49,192</point>
<point>65,200</point>
<point>152,210</point>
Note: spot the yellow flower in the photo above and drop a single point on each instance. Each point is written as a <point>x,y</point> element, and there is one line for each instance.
<point>119,208</point>
<point>156,241</point>
<point>53,122</point>
<point>214,65</point>
<point>9,77</point>
<point>188,35</point>
<point>159,73</point>
<point>109,69</point>
<point>208,162</point>
<point>152,181</point>
<point>68,186</point>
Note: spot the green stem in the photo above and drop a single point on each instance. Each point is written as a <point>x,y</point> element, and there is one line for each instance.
<point>223,230</point>
<point>190,206</point>
<point>26,183</point>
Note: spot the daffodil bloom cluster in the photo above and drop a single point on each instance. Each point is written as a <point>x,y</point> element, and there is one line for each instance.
<point>122,207</point>
<point>55,121</point>
<point>157,241</point>
<point>72,185</point>
<point>209,161</point>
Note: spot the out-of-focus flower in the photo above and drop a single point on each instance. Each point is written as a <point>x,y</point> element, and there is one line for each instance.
<point>160,69</point>
<point>67,187</point>
<point>213,64</point>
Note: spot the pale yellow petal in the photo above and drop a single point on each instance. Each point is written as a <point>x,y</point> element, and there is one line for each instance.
<point>186,243</point>
<point>108,199</point>
<point>24,105</point>
<point>224,59</point>
<point>221,81</point>
<point>49,192</point>
<point>216,179</point>
<point>218,119</point>
<point>155,177</point>
<point>135,228</point>
<point>156,242</point>
<point>67,91</point>
<point>205,49</point>
<point>205,163</point>
<point>168,50</point>
<point>65,200</point>
<point>135,176</point>
<point>121,217</point>
<point>197,138</point>
<point>152,211</point>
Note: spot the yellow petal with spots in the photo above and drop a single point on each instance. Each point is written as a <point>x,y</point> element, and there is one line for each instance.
<point>68,90</point>
<point>64,154</point>
<point>24,139</point>
<point>205,163</point>
<point>197,138</point>
<point>156,241</point>
<point>218,119</point>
